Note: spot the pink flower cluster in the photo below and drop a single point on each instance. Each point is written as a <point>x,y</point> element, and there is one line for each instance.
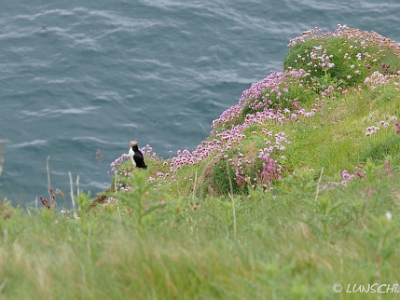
<point>148,151</point>
<point>110,200</point>
<point>114,165</point>
<point>229,135</point>
<point>301,39</point>
<point>260,97</point>
<point>280,139</point>
<point>264,99</point>
<point>322,60</point>
<point>228,117</point>
<point>357,61</point>
<point>271,170</point>
<point>371,130</point>
<point>346,176</point>
<point>375,79</point>
<point>396,128</point>
<point>387,168</point>
<point>350,33</point>
<point>230,139</point>
<point>359,173</point>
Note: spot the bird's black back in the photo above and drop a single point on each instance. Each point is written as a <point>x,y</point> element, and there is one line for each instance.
<point>138,158</point>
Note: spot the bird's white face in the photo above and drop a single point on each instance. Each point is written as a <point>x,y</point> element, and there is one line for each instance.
<point>133,143</point>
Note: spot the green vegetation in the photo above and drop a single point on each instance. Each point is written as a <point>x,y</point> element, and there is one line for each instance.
<point>295,191</point>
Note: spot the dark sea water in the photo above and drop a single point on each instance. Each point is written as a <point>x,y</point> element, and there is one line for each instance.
<point>104,72</point>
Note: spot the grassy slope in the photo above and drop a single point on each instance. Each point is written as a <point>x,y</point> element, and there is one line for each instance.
<point>294,241</point>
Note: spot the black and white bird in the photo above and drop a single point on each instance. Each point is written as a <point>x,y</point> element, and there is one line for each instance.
<point>136,155</point>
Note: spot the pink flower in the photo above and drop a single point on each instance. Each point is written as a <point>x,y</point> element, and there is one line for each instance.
<point>369,191</point>
<point>346,175</point>
<point>387,169</point>
<point>359,174</point>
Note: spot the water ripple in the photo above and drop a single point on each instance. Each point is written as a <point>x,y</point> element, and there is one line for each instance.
<point>92,139</point>
<point>66,111</point>
<point>29,144</point>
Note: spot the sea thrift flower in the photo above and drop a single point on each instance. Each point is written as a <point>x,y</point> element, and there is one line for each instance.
<point>52,196</point>
<point>269,100</point>
<point>110,200</point>
<point>384,124</point>
<point>270,169</point>
<point>369,191</point>
<point>118,161</point>
<point>346,175</point>
<point>371,130</point>
<point>45,202</point>
<point>359,174</point>
<point>387,169</point>
<point>396,128</point>
<point>377,79</point>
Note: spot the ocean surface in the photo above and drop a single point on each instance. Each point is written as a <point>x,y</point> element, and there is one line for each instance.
<point>77,76</point>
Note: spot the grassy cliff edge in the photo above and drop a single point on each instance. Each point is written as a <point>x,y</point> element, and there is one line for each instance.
<point>293,196</point>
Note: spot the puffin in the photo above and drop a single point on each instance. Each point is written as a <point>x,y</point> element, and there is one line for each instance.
<point>136,155</point>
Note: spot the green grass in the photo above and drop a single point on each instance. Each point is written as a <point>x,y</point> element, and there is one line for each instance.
<point>288,246</point>
<point>192,238</point>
